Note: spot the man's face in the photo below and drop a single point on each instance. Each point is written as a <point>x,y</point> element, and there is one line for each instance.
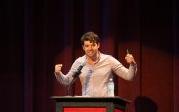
<point>90,48</point>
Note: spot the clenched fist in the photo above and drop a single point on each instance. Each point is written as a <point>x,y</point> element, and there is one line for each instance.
<point>130,59</point>
<point>58,68</point>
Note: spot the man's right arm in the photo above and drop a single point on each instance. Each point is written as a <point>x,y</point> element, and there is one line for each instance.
<point>63,79</point>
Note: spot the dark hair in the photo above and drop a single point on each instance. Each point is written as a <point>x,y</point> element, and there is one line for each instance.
<point>90,36</point>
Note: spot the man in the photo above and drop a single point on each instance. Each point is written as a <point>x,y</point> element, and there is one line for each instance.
<point>96,68</point>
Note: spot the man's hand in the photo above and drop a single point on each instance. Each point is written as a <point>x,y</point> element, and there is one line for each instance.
<point>130,59</point>
<point>58,68</point>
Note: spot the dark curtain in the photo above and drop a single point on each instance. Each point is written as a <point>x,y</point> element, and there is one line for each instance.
<point>37,34</point>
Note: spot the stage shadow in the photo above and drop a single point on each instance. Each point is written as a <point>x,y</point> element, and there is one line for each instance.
<point>145,104</point>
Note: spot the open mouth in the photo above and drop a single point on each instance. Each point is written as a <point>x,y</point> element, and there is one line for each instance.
<point>90,53</point>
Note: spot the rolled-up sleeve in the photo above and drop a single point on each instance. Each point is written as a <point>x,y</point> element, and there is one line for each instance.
<point>122,71</point>
<point>66,79</point>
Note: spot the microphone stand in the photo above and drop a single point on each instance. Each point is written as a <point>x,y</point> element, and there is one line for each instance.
<point>75,76</point>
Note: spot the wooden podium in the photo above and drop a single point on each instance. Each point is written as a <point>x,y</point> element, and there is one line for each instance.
<point>89,104</point>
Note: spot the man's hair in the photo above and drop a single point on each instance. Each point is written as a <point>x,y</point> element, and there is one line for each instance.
<point>90,36</point>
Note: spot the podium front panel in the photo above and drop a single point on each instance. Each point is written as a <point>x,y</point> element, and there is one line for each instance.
<point>84,109</point>
<point>90,104</point>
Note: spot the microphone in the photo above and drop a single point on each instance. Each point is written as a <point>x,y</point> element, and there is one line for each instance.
<point>127,51</point>
<point>77,73</point>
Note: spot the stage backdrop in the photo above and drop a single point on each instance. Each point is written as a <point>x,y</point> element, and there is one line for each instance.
<point>37,34</point>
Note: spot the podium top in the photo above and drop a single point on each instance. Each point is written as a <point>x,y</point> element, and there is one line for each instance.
<point>89,99</point>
